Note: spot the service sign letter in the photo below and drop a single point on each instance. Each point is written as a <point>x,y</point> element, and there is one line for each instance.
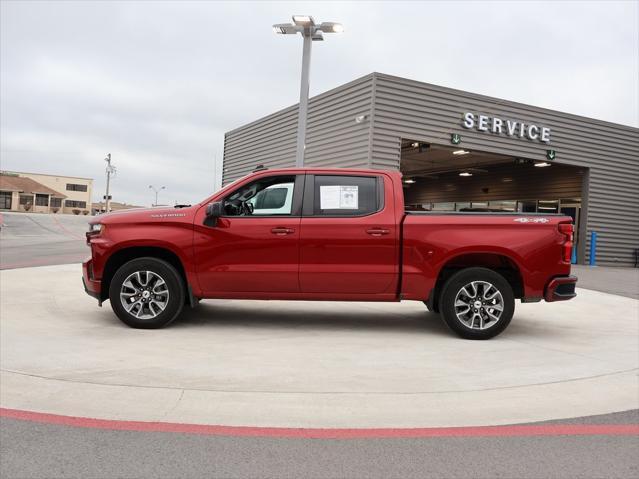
<point>469,120</point>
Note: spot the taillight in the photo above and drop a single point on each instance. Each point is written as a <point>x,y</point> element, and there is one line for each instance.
<point>567,229</point>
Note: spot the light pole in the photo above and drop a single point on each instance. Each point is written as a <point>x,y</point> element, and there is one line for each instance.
<point>310,31</point>
<point>157,190</point>
<point>110,170</point>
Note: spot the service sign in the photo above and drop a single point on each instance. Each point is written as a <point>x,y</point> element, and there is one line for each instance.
<point>499,126</point>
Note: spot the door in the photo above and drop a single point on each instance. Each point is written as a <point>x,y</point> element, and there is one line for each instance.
<point>348,239</point>
<point>254,246</point>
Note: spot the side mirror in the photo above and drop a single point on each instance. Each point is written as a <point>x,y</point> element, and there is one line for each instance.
<point>214,210</point>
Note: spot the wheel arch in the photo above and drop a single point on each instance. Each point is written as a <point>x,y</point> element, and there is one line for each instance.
<point>126,254</point>
<point>501,263</point>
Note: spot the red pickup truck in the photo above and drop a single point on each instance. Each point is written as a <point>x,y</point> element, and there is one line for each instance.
<point>327,234</point>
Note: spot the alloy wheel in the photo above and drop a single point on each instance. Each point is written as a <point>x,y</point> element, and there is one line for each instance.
<point>479,305</point>
<point>144,294</point>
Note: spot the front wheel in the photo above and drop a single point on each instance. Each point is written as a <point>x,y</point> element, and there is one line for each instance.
<point>147,293</point>
<point>477,303</point>
<point>431,308</point>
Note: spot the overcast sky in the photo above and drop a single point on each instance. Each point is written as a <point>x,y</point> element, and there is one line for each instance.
<point>158,84</point>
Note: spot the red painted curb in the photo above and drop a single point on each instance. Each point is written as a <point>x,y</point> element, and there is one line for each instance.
<point>284,432</point>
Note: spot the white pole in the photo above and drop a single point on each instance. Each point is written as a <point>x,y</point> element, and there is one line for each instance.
<point>108,172</point>
<point>303,107</point>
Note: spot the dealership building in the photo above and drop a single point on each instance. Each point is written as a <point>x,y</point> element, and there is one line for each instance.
<point>460,151</point>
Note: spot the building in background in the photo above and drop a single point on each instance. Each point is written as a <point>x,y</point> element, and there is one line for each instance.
<point>99,208</point>
<point>461,151</point>
<point>42,193</point>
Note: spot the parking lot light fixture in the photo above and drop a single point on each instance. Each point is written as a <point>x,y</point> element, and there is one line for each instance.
<point>331,27</point>
<point>303,20</point>
<point>310,31</point>
<point>156,190</point>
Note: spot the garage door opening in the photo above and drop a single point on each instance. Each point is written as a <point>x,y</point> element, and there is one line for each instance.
<point>444,178</point>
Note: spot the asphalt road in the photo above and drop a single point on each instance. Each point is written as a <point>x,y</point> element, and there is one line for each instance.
<point>33,450</point>
<point>619,281</point>
<point>27,252</point>
<point>29,239</point>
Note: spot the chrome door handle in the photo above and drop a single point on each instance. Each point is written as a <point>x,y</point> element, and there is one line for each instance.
<point>280,231</point>
<point>377,231</point>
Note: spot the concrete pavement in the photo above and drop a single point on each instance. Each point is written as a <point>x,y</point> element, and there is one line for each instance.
<point>306,364</point>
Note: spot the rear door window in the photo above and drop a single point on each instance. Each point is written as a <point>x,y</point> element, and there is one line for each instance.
<point>346,195</point>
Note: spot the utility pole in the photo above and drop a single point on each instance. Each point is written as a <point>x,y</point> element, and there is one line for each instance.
<point>110,170</point>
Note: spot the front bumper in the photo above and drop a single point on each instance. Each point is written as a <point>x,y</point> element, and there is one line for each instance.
<point>91,286</point>
<point>561,288</point>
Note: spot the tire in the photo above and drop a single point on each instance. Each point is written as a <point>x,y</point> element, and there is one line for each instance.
<point>477,288</point>
<point>431,308</point>
<point>137,281</point>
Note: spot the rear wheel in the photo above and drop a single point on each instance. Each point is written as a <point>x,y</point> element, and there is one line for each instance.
<point>147,293</point>
<point>477,303</point>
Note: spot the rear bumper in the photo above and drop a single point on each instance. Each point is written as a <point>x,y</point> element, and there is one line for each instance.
<point>561,288</point>
<point>91,286</point>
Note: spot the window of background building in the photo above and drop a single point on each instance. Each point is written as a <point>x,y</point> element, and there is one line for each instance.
<point>479,204</point>
<point>527,206</point>
<point>42,200</point>
<point>5,200</point>
<point>570,202</point>
<point>26,199</point>
<point>443,206</point>
<point>75,204</point>
<point>56,202</point>
<point>505,205</point>
<point>418,207</point>
<point>548,206</point>
<point>76,187</point>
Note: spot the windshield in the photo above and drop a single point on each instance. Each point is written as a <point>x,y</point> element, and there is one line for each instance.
<point>224,189</point>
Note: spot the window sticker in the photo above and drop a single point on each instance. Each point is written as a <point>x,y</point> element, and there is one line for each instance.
<point>339,197</point>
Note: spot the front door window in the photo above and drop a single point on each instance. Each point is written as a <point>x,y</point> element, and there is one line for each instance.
<point>271,196</point>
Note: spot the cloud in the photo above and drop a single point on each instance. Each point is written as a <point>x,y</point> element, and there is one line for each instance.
<point>156,84</point>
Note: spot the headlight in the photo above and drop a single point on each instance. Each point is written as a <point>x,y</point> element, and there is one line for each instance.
<point>96,228</point>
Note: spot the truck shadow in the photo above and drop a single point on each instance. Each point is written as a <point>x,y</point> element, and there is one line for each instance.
<point>299,317</point>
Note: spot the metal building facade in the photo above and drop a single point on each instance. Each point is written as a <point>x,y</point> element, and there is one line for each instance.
<point>363,123</point>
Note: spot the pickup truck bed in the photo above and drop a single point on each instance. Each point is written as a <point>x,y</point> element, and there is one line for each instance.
<point>519,246</point>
